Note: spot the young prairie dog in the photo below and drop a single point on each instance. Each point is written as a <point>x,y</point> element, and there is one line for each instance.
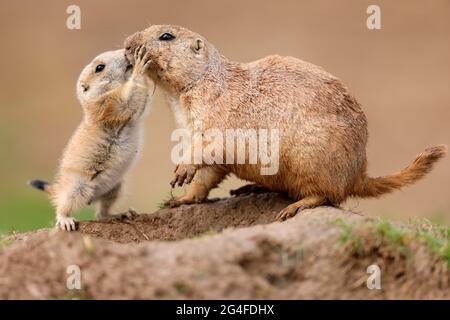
<point>114,96</point>
<point>323,130</point>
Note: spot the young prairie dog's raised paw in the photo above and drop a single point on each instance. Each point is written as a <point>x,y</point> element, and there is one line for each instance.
<point>141,64</point>
<point>114,95</point>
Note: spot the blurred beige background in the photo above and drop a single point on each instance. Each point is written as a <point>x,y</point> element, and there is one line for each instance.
<point>400,74</point>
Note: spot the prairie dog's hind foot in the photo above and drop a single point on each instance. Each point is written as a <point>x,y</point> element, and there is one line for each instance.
<point>186,199</point>
<point>305,203</point>
<point>66,223</point>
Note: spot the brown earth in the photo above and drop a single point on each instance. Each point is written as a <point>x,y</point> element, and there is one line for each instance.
<point>229,249</point>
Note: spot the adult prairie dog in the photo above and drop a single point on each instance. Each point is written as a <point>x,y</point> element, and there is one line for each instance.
<point>323,130</point>
<point>113,95</point>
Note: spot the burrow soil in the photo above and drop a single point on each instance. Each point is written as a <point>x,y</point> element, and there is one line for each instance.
<point>231,248</point>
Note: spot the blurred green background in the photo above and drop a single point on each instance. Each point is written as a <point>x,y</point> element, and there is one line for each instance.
<point>400,75</point>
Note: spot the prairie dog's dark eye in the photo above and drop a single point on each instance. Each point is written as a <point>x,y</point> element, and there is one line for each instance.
<point>166,37</point>
<point>99,68</point>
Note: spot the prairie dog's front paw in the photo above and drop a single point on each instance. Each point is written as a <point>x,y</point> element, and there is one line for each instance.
<point>66,223</point>
<point>184,173</point>
<point>141,60</point>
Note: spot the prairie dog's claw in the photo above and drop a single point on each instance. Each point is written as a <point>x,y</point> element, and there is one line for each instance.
<point>66,223</point>
<point>141,59</point>
<point>178,201</point>
<point>289,212</point>
<point>183,174</point>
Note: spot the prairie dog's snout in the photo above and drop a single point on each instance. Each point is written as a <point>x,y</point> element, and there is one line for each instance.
<point>131,44</point>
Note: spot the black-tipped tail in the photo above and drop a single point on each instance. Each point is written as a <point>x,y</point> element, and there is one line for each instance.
<point>39,184</point>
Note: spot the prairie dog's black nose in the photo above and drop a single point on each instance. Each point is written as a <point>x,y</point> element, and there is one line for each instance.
<point>85,87</point>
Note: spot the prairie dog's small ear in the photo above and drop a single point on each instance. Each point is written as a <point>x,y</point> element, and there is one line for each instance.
<point>197,45</point>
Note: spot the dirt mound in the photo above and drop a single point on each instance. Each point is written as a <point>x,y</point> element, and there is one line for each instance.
<point>230,248</point>
<point>189,221</point>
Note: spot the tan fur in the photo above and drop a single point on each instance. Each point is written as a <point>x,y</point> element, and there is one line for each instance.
<point>323,128</point>
<point>107,141</point>
<point>374,187</point>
